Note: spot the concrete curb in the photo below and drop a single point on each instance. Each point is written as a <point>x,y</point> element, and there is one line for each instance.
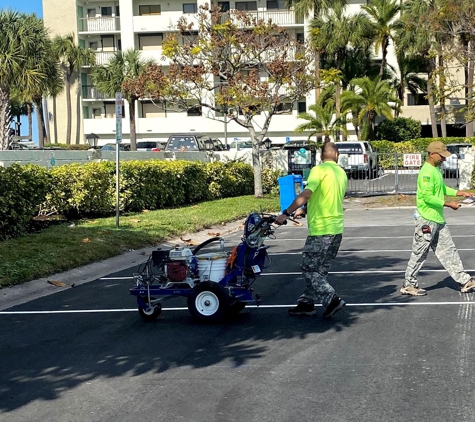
<point>17,295</point>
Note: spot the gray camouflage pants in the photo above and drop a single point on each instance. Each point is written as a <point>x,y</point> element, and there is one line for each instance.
<point>440,240</point>
<point>317,257</point>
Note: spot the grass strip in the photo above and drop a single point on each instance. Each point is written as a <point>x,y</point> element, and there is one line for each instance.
<point>71,245</point>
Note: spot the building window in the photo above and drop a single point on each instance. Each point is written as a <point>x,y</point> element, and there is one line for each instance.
<point>417,100</point>
<point>150,9</point>
<point>189,8</point>
<point>150,41</point>
<point>224,6</point>
<point>151,110</point>
<point>194,111</point>
<point>106,11</point>
<point>275,4</point>
<point>189,38</point>
<point>246,5</point>
<point>302,106</point>
<point>284,107</point>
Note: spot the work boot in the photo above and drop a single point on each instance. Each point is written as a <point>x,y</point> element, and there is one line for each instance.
<point>412,291</point>
<point>303,308</point>
<point>335,305</point>
<point>468,286</point>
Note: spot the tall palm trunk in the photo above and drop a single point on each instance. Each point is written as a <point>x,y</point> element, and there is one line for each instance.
<point>29,110</point>
<point>133,139</point>
<point>384,50</point>
<point>443,111</point>
<point>55,122</point>
<point>38,101</point>
<point>470,74</point>
<point>68,108</point>
<point>47,125</point>
<point>5,117</point>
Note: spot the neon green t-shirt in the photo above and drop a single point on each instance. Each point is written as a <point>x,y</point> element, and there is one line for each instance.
<point>431,191</point>
<point>327,181</point>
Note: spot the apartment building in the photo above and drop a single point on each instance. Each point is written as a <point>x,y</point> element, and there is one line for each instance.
<point>109,26</point>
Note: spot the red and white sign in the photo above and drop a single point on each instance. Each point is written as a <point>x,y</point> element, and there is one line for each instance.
<point>412,160</point>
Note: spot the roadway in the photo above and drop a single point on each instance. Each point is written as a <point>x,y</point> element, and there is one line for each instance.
<point>84,354</point>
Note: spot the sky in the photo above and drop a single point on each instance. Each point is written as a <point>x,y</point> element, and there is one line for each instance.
<point>26,6</point>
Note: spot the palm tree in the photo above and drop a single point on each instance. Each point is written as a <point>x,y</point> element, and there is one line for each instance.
<point>415,38</point>
<point>20,46</point>
<point>334,32</point>
<point>383,14</point>
<point>373,97</point>
<point>322,122</point>
<point>71,57</point>
<point>318,8</point>
<point>122,68</point>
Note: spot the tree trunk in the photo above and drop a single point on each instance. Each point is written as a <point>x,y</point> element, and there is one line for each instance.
<point>469,97</point>
<point>384,50</point>
<point>47,126</point>
<point>41,122</point>
<point>5,118</point>
<point>68,109</point>
<point>55,122</point>
<point>443,111</point>
<point>29,109</point>
<point>133,139</point>
<point>256,163</point>
<point>430,97</point>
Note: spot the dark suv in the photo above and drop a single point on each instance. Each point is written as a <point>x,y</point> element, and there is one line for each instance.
<point>193,142</point>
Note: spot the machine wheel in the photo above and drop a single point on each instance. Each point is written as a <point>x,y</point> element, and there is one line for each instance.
<point>151,313</point>
<point>208,302</point>
<point>236,307</point>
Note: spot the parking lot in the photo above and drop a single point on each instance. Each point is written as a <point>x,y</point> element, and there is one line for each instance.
<point>84,353</point>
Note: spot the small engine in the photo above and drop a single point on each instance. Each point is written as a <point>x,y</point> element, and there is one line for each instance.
<point>176,269</point>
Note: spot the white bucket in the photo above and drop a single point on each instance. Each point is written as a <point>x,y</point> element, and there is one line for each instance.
<point>212,266</point>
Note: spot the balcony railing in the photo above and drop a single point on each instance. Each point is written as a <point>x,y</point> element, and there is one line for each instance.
<point>90,92</point>
<point>100,24</point>
<point>103,57</point>
<point>279,17</point>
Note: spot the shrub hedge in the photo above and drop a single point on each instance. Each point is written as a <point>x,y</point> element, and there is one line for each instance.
<point>88,190</point>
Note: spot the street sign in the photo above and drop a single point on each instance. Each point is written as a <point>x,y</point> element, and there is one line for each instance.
<point>412,160</point>
<point>287,139</point>
<point>118,117</point>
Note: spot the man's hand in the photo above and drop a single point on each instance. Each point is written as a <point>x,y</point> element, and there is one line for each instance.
<point>280,219</point>
<point>465,194</point>
<point>454,205</point>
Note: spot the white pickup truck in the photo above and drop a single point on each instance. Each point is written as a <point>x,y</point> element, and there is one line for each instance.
<point>358,159</point>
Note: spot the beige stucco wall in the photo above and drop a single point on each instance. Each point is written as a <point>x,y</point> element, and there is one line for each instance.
<point>60,17</point>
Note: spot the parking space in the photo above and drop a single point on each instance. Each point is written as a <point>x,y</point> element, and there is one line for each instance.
<point>84,354</point>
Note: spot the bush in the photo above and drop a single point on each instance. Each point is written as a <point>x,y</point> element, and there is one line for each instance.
<point>270,180</point>
<point>399,130</point>
<point>22,190</point>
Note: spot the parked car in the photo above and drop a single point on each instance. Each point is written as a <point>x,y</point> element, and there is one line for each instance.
<point>358,158</point>
<point>21,145</point>
<point>451,164</point>
<point>153,146</point>
<point>241,144</point>
<point>112,146</point>
<point>182,142</point>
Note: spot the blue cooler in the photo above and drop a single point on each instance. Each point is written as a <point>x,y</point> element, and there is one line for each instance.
<point>289,187</point>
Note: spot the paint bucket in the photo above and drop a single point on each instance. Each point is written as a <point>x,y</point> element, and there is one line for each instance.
<point>212,266</point>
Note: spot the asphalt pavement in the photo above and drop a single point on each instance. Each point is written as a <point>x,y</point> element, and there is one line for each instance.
<point>83,353</point>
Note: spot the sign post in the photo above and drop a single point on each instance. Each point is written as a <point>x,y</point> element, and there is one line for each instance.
<point>118,140</point>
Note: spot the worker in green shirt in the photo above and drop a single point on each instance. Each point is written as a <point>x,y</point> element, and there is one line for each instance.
<point>431,231</point>
<point>324,193</point>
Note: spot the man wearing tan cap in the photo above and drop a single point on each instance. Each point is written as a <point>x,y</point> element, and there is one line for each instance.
<point>431,230</point>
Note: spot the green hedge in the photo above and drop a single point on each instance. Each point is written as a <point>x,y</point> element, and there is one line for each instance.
<point>88,190</point>
<point>22,190</point>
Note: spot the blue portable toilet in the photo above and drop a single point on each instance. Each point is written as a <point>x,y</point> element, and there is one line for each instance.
<point>290,187</point>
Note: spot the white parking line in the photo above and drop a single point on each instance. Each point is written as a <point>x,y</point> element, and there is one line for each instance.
<point>95,311</point>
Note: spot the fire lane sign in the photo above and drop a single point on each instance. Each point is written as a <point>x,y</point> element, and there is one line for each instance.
<point>412,160</point>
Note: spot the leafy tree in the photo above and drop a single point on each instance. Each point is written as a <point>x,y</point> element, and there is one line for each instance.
<point>118,76</point>
<point>22,44</point>
<point>247,68</point>
<point>383,15</point>
<point>72,57</point>
<point>399,130</point>
<point>373,97</point>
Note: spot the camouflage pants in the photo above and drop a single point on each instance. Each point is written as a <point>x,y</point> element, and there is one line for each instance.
<point>440,240</point>
<point>318,255</point>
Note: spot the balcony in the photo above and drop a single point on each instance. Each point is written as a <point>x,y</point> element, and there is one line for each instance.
<point>159,23</point>
<point>279,17</point>
<point>103,57</point>
<point>99,24</point>
<point>90,92</point>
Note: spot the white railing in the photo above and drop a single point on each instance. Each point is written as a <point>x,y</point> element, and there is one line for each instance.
<point>100,24</point>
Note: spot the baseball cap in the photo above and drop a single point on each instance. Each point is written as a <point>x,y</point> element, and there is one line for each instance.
<point>439,148</point>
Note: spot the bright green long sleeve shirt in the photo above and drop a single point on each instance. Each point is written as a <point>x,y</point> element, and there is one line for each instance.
<point>431,191</point>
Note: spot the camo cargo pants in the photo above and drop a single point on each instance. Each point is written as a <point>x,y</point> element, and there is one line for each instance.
<point>317,257</point>
<point>440,240</point>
